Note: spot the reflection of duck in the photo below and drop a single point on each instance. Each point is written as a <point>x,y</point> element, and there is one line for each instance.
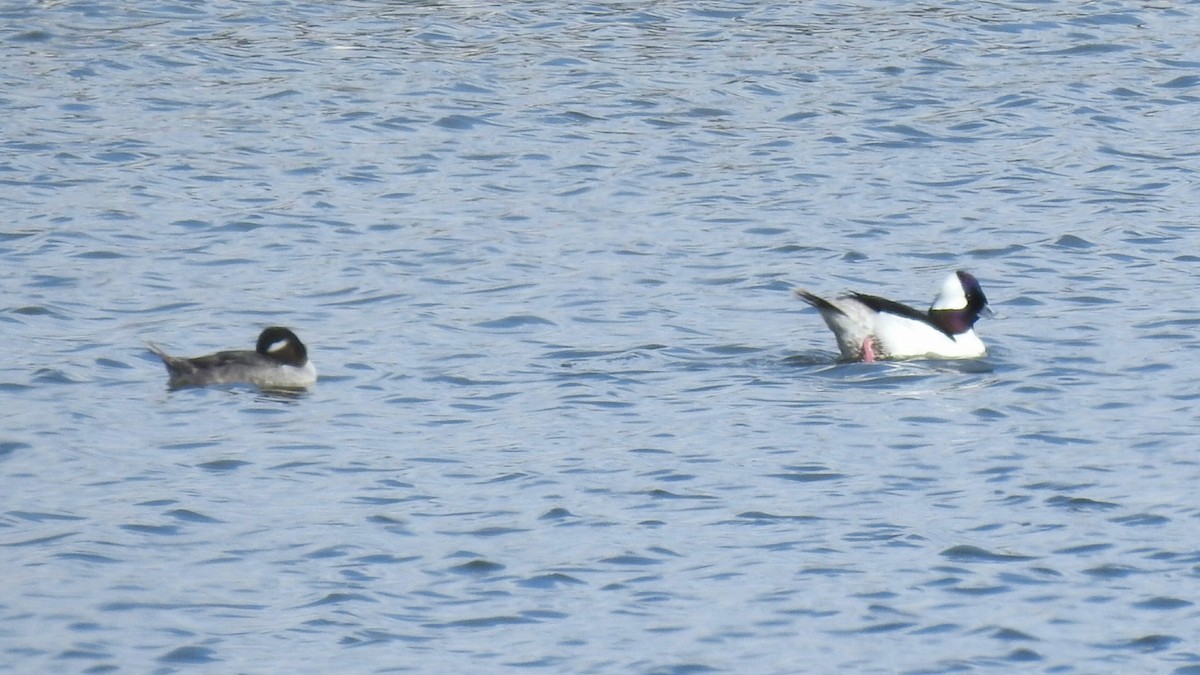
<point>279,361</point>
<point>869,328</point>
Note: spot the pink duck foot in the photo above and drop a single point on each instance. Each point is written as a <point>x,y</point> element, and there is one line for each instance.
<point>868,350</point>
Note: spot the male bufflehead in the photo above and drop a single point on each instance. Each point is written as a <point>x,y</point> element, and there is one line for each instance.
<point>279,361</point>
<point>869,328</point>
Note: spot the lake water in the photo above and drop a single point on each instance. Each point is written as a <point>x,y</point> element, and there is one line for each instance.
<point>570,418</point>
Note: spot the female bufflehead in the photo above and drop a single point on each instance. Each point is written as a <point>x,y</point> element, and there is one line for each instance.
<point>279,361</point>
<point>870,328</point>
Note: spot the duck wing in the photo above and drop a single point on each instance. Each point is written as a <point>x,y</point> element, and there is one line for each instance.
<point>885,306</point>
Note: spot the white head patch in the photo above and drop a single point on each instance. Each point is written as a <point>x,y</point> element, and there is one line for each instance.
<point>278,345</point>
<point>951,296</point>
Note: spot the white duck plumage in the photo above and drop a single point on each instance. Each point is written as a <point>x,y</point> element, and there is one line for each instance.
<point>869,327</point>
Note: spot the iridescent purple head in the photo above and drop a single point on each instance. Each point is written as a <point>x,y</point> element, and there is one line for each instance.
<point>959,303</point>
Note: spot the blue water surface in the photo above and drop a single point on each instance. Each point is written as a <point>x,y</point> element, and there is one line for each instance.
<point>570,418</point>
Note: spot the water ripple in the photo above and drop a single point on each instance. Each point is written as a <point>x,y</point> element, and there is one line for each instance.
<point>542,255</point>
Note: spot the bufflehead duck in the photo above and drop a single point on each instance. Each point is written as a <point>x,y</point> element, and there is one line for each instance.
<point>279,361</point>
<point>869,328</point>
